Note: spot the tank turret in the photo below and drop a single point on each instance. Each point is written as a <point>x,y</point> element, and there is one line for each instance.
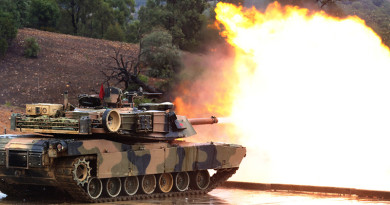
<point>108,117</point>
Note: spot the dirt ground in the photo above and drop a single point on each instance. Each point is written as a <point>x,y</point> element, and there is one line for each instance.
<point>63,59</point>
<point>5,114</point>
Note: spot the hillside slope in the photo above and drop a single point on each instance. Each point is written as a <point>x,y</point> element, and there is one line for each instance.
<point>62,59</point>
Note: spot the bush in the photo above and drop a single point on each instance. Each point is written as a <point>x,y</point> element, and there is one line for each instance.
<point>141,100</point>
<point>143,78</point>
<point>31,48</point>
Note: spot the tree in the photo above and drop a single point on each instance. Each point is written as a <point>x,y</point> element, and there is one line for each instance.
<point>122,10</point>
<point>104,16</point>
<point>376,14</point>
<point>235,2</point>
<point>126,70</point>
<point>8,31</point>
<point>93,17</point>
<point>43,13</point>
<point>114,33</point>
<point>160,54</point>
<point>133,32</point>
<point>153,15</point>
<point>17,10</point>
<point>185,26</point>
<point>156,51</point>
<point>23,10</point>
<point>74,9</point>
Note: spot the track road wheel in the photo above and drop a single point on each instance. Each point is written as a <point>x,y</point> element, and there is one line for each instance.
<point>182,181</point>
<point>165,182</point>
<point>81,171</point>
<point>148,183</point>
<point>130,185</point>
<point>94,188</point>
<point>200,180</point>
<point>113,186</point>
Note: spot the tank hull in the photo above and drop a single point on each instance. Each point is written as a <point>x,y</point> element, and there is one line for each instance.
<point>78,166</point>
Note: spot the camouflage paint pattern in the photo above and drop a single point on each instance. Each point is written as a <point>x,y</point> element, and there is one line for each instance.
<point>116,159</point>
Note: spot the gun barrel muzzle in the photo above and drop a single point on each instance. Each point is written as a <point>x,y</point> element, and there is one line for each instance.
<point>203,121</point>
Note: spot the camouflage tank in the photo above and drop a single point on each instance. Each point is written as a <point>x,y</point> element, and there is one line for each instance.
<point>106,149</point>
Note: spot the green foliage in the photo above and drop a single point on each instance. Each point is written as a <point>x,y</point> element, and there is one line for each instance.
<point>375,13</point>
<point>92,18</point>
<point>143,78</point>
<point>133,32</point>
<point>31,48</point>
<point>153,15</point>
<point>160,55</point>
<point>141,100</point>
<point>185,26</point>
<point>3,46</point>
<point>114,33</point>
<point>122,10</point>
<point>8,31</point>
<point>104,17</point>
<point>8,104</point>
<point>166,84</point>
<point>183,19</point>
<point>44,14</point>
<point>17,10</point>
<point>235,2</point>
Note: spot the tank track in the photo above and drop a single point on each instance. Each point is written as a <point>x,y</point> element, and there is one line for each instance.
<point>24,191</point>
<point>78,193</point>
<point>11,190</point>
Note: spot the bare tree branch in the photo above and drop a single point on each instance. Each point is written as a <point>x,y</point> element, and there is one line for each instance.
<point>127,70</point>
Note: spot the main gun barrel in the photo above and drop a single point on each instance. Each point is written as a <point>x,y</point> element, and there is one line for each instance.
<point>203,121</point>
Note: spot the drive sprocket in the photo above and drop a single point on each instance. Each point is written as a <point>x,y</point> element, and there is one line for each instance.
<point>81,171</point>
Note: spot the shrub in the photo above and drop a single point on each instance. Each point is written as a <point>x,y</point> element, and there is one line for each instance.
<point>143,78</point>
<point>8,104</point>
<point>31,48</point>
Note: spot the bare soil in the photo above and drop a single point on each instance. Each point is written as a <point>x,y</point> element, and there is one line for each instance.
<point>63,59</point>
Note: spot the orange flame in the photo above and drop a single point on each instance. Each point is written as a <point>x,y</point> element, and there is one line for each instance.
<point>307,94</point>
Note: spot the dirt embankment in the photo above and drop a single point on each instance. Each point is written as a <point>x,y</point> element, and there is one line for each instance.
<point>62,59</point>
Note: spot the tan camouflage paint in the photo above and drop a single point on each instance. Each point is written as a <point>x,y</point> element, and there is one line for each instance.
<point>156,164</point>
<point>103,146</point>
<point>22,143</point>
<point>109,161</point>
<point>171,159</point>
<point>236,158</point>
<point>202,156</point>
<point>189,159</point>
<point>223,155</point>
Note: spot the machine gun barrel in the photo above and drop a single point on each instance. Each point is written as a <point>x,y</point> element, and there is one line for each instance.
<point>203,121</point>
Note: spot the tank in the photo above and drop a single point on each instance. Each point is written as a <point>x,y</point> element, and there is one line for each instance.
<point>107,149</point>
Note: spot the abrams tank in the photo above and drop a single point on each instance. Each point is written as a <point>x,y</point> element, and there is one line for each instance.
<point>106,149</point>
